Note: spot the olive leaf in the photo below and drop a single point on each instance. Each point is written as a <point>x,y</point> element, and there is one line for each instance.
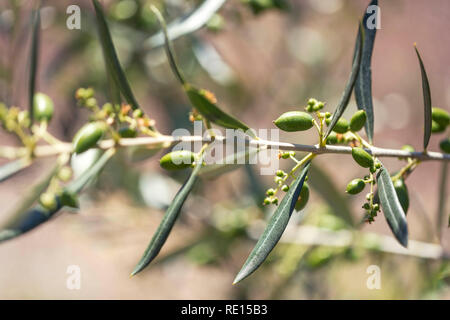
<point>33,194</point>
<point>363,84</point>
<point>187,24</point>
<point>168,221</point>
<point>350,83</point>
<point>168,46</point>
<point>392,209</point>
<point>275,228</point>
<point>13,167</point>
<point>442,196</point>
<point>426,101</point>
<point>203,103</point>
<point>112,61</point>
<point>325,186</point>
<point>34,55</point>
<point>37,215</point>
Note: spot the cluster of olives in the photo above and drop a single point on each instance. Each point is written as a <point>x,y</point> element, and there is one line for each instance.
<point>56,195</point>
<point>14,119</point>
<point>440,122</point>
<point>129,122</point>
<point>294,121</point>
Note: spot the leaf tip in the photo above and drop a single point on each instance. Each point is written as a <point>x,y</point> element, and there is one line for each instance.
<point>240,276</point>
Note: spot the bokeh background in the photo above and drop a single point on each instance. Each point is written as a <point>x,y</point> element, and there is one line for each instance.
<point>259,63</point>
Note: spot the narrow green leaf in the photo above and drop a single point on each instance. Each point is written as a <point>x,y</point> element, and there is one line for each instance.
<point>426,102</point>
<point>392,209</point>
<point>442,196</point>
<point>34,55</point>
<point>37,215</point>
<point>168,221</point>
<point>112,62</point>
<point>77,185</point>
<point>13,167</point>
<point>350,83</point>
<point>201,101</point>
<point>363,84</point>
<point>325,186</point>
<point>168,46</point>
<point>275,228</point>
<point>187,24</point>
<point>32,195</point>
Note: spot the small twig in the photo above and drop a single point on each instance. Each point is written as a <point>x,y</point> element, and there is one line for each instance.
<point>167,141</point>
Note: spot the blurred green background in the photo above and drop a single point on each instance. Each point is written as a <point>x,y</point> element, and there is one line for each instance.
<point>261,58</point>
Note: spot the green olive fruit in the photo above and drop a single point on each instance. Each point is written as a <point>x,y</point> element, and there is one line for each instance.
<point>127,132</point>
<point>294,121</point>
<point>358,120</point>
<point>302,198</point>
<point>355,186</point>
<point>402,193</point>
<point>48,200</point>
<point>177,160</point>
<point>65,174</point>
<point>436,127</point>
<point>332,138</point>
<point>43,107</point>
<point>362,157</point>
<point>445,145</point>
<point>318,106</point>
<point>69,200</point>
<point>341,126</point>
<point>88,136</point>
<point>441,116</point>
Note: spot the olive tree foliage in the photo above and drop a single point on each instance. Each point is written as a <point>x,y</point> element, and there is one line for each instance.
<point>121,123</point>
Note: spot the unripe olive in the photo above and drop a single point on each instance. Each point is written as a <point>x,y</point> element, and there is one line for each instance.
<point>127,132</point>
<point>436,127</point>
<point>318,106</point>
<point>362,157</point>
<point>177,160</point>
<point>278,180</point>
<point>441,116</point>
<point>402,193</point>
<point>341,126</point>
<point>88,136</point>
<point>270,192</point>
<point>48,200</point>
<point>285,188</point>
<point>332,138</point>
<point>280,173</point>
<point>445,145</point>
<point>312,102</point>
<point>358,120</point>
<point>303,197</point>
<point>65,173</point>
<point>42,107</point>
<point>294,121</point>
<point>355,186</point>
<point>69,200</point>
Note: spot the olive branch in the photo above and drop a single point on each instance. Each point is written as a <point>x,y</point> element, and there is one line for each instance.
<point>121,123</point>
